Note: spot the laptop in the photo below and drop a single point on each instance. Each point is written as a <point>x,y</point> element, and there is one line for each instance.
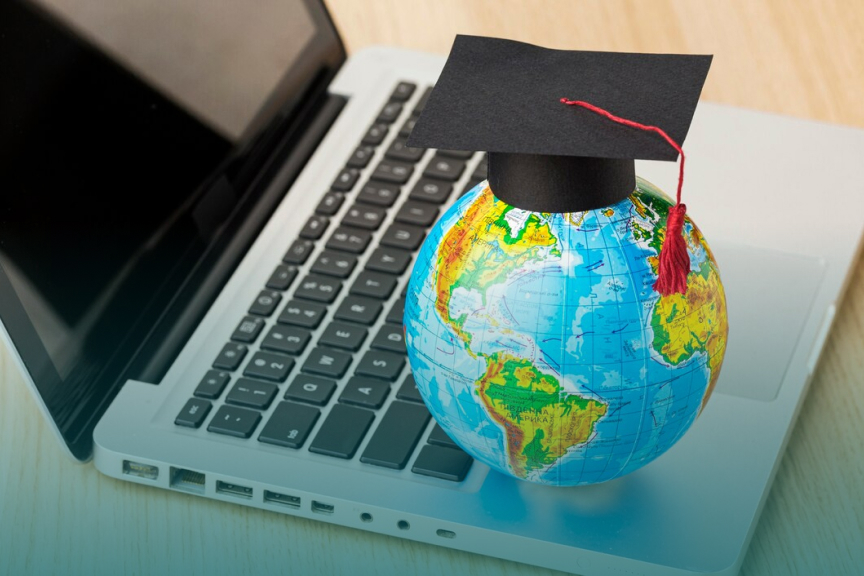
<point>197,290</point>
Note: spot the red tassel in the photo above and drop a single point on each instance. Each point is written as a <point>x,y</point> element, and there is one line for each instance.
<point>674,258</point>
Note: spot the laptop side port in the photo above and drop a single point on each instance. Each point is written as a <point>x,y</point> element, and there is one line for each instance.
<point>233,490</point>
<point>281,499</point>
<point>322,508</point>
<point>140,470</point>
<point>187,480</point>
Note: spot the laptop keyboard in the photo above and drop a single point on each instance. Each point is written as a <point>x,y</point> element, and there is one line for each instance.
<point>321,315</point>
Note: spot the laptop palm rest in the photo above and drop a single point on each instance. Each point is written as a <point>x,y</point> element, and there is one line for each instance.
<point>768,297</point>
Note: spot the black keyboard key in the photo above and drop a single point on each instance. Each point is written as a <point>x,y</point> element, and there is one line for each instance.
<point>345,336</point>
<point>269,366</point>
<point>444,168</point>
<point>212,385</point>
<point>230,357</point>
<point>374,285</point>
<point>459,154</point>
<point>359,309</point>
<point>265,303</point>
<point>397,312</point>
<point>310,389</point>
<point>399,151</point>
<point>193,413</point>
<point>342,431</point>
<point>440,438</point>
<point>403,236</point>
<point>421,104</point>
<point>389,260</point>
<point>327,362</point>
<point>318,288</point>
<point>396,436</point>
<point>379,193</point>
<point>334,263</point>
<point>445,463</point>
<point>299,252</point>
<point>389,113</point>
<point>383,365</point>
<point>408,391</point>
<point>392,171</point>
<point>248,329</point>
<point>234,421</point>
<point>286,340</point>
<point>429,190</point>
<point>349,239</point>
<point>346,180</point>
<point>403,91</point>
<point>407,127</point>
<point>289,425</point>
<point>361,216</point>
<point>282,277</point>
<point>365,392</point>
<point>314,227</point>
<point>330,204</point>
<point>251,394</point>
<point>375,135</point>
<point>361,156</point>
<point>390,338</point>
<point>303,314</point>
<point>417,213</point>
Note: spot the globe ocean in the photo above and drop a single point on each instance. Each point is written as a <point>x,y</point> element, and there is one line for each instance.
<point>540,346</point>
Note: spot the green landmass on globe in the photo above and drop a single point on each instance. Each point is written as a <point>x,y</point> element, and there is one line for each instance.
<point>540,346</point>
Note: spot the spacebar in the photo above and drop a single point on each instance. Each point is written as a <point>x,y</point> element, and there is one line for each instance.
<point>397,435</point>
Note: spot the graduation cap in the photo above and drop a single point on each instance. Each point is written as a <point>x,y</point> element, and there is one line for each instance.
<point>508,98</point>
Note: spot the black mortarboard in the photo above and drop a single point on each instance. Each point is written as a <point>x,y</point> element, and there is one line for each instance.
<point>504,97</point>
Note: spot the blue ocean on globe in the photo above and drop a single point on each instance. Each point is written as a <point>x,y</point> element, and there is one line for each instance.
<point>540,346</point>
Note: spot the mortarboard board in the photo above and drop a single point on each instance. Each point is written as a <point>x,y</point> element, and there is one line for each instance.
<point>504,97</point>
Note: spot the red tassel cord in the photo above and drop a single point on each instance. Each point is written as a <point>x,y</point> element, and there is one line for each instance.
<point>674,259</point>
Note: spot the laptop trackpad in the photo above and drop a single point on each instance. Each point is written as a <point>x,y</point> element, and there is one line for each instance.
<point>768,298</point>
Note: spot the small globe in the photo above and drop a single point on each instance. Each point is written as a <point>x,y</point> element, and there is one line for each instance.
<point>540,346</point>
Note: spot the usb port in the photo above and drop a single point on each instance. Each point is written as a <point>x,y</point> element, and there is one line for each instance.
<point>233,489</point>
<point>321,508</point>
<point>187,480</point>
<point>140,470</point>
<point>282,499</point>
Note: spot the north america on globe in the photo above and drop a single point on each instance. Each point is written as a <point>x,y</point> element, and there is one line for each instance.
<point>540,346</point>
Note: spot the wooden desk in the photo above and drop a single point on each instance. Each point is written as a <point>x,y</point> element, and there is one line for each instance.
<point>793,57</point>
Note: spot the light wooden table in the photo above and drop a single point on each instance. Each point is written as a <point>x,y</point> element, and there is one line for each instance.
<point>794,57</point>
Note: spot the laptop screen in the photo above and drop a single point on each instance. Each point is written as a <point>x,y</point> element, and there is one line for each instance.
<point>114,118</point>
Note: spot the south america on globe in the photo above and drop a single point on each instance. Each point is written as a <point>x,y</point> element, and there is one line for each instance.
<point>535,328</point>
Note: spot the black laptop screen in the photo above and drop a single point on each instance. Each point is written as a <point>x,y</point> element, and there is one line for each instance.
<point>101,166</point>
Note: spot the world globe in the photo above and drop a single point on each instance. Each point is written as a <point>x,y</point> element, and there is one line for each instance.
<point>542,349</point>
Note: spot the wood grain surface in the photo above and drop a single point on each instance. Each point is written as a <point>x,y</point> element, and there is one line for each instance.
<point>793,57</point>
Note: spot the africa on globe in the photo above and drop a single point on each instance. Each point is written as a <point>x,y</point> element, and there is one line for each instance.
<point>539,344</point>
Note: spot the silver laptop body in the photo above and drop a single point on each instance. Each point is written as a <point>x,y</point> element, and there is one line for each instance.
<point>755,184</point>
